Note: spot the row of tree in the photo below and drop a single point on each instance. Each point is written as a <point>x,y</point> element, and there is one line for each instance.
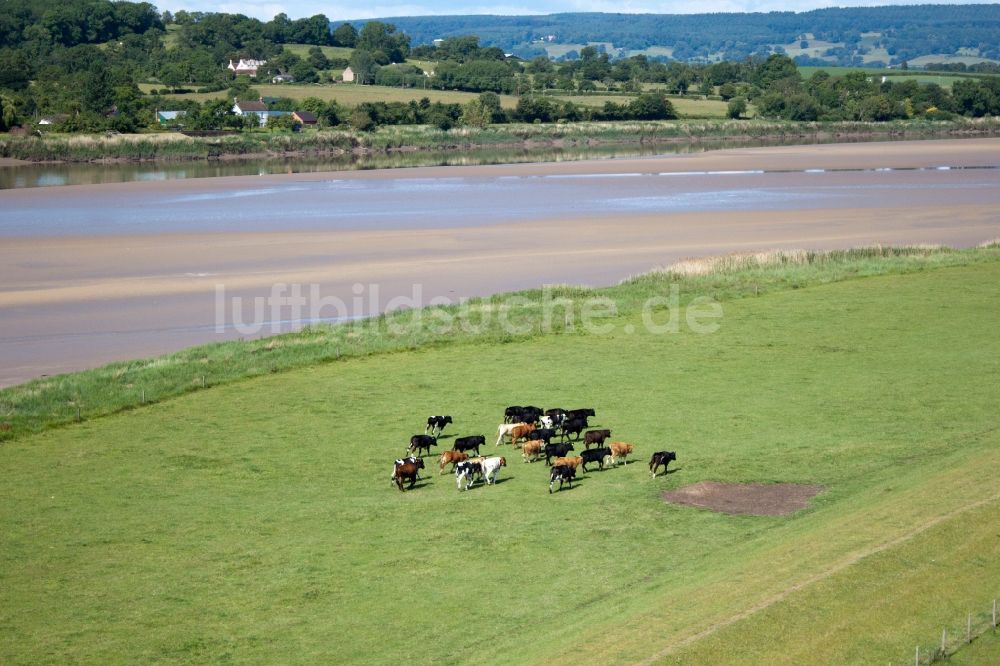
<point>50,63</point>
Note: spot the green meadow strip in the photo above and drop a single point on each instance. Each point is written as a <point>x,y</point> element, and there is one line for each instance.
<point>503,318</point>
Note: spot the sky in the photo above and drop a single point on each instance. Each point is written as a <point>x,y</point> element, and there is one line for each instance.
<point>342,10</point>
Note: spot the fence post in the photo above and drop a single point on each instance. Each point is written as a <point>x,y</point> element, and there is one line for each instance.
<point>994,613</point>
<point>142,399</point>
<point>968,630</point>
<point>944,641</point>
<point>917,660</point>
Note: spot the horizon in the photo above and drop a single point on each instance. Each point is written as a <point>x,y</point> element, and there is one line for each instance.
<point>339,12</point>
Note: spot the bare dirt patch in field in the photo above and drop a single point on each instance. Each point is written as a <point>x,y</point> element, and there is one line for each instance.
<point>750,499</point>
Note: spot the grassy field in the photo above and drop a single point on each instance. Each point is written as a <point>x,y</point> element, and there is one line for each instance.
<point>302,50</point>
<point>686,107</point>
<point>350,95</point>
<point>944,80</point>
<point>254,522</point>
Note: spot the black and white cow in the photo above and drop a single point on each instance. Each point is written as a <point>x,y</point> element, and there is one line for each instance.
<point>436,424</point>
<point>562,474</point>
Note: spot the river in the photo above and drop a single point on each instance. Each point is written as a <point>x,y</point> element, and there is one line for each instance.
<point>95,273</point>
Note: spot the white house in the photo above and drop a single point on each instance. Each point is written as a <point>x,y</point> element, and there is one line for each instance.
<point>248,67</point>
<point>348,75</point>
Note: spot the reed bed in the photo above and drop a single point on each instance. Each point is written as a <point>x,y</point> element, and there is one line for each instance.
<point>153,146</point>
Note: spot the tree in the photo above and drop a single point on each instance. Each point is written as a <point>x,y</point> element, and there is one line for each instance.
<point>363,65</point>
<point>651,106</point>
<point>737,107</point>
<point>482,111</point>
<point>345,35</point>
<point>361,121</point>
<point>97,94</point>
<point>317,58</point>
<point>172,75</point>
<point>8,112</point>
<point>378,36</point>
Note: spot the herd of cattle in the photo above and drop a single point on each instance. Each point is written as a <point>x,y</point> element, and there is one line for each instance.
<point>531,429</point>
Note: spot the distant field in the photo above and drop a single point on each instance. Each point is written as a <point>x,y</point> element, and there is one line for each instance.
<point>689,107</point>
<point>944,80</point>
<point>170,39</point>
<point>653,51</point>
<point>350,95</point>
<point>302,50</point>
<point>252,521</point>
<point>966,59</point>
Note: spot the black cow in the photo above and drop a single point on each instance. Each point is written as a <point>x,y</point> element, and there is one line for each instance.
<point>512,414</point>
<point>421,442</point>
<point>594,456</point>
<point>562,474</point>
<point>595,437</point>
<point>580,413</point>
<point>556,451</point>
<point>575,426</point>
<point>661,458</point>
<point>531,414</point>
<point>544,434</point>
<point>436,424</point>
<point>469,443</point>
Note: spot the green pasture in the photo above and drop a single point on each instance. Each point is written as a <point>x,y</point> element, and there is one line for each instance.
<point>302,50</point>
<point>686,107</point>
<point>255,522</point>
<point>945,80</point>
<point>350,95</point>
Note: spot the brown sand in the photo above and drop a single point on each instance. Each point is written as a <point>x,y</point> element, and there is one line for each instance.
<point>68,303</point>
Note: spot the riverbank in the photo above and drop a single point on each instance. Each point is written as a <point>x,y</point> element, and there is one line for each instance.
<point>166,147</point>
<point>52,401</point>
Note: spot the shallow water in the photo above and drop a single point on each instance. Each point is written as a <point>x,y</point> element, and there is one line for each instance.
<point>414,202</point>
<point>54,175</point>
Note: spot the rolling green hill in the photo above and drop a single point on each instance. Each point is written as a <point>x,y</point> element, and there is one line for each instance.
<point>845,36</point>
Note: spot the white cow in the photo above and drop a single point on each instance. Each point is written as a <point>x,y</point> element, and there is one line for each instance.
<point>491,467</point>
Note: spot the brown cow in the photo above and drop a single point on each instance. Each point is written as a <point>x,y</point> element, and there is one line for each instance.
<point>620,449</point>
<point>532,448</point>
<point>520,432</point>
<point>595,437</point>
<point>572,462</point>
<point>453,457</point>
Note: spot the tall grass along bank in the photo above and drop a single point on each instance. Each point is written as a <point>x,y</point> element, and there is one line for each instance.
<point>159,147</point>
<point>502,318</point>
